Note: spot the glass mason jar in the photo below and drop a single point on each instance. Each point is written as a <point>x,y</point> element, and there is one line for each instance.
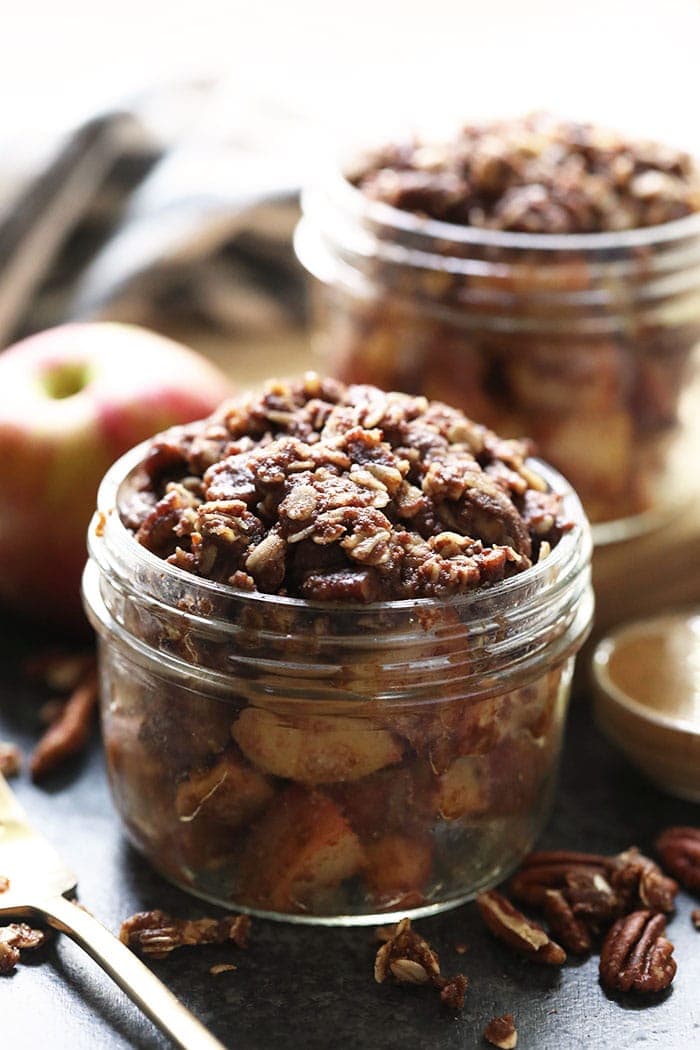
<point>583,342</point>
<point>328,762</point>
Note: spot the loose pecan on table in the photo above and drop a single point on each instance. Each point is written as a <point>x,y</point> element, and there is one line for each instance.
<point>636,956</point>
<point>638,880</point>
<point>501,1032</point>
<point>70,732</point>
<point>407,958</point>
<point>524,935</point>
<point>565,925</point>
<point>156,934</point>
<point>554,869</point>
<point>592,889</point>
<point>679,850</point>
<point>10,759</point>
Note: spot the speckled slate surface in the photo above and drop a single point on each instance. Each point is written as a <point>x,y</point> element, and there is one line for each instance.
<point>300,986</point>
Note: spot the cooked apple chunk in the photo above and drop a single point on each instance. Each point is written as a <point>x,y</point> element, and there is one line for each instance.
<point>463,789</point>
<point>399,870</point>
<point>314,749</point>
<point>229,792</point>
<point>298,851</point>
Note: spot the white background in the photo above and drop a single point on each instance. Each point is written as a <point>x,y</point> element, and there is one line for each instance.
<point>351,63</point>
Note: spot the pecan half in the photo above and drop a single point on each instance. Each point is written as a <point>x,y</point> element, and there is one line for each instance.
<point>408,959</point>
<point>550,869</point>
<point>156,934</point>
<point>70,733</point>
<point>501,1032</point>
<point>592,898</point>
<point>636,956</point>
<point>679,850</point>
<point>638,880</point>
<point>565,925</point>
<point>510,925</point>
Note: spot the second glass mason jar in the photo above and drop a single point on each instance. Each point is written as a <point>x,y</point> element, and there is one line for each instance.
<point>583,342</point>
<point>325,762</point>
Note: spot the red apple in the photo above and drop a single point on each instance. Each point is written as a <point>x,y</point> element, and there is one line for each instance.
<point>73,399</point>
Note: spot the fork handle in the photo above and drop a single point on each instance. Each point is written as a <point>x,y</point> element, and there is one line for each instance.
<point>143,987</point>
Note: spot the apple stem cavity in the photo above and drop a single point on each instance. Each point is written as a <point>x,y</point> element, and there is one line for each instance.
<point>65,379</point>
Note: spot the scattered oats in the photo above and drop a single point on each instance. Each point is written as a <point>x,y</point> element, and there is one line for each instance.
<point>408,971</point>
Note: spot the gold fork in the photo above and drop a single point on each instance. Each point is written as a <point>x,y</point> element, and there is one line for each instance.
<point>40,887</point>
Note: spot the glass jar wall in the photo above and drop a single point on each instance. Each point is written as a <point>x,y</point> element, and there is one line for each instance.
<point>330,762</point>
<point>583,342</point>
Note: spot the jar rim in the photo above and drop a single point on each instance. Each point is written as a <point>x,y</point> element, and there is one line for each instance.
<point>569,555</point>
<point>347,196</point>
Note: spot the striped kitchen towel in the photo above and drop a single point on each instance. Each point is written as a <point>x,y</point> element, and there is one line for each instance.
<point>188,228</point>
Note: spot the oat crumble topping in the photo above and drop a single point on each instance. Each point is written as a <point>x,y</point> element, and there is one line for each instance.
<point>535,174</point>
<point>318,490</point>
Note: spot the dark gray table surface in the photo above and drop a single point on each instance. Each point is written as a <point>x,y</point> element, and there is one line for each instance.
<point>310,987</point>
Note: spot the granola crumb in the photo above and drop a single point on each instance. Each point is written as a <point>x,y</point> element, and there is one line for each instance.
<point>17,937</point>
<point>156,934</point>
<point>10,759</point>
<point>453,992</point>
<point>408,959</point>
<point>222,968</point>
<point>501,1032</point>
<point>9,957</point>
<point>22,936</point>
<point>461,948</point>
